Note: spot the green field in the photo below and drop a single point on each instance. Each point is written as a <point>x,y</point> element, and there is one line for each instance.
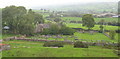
<point>8,35</point>
<point>35,49</point>
<point>82,36</point>
<point>95,37</point>
<point>96,27</point>
<point>96,19</point>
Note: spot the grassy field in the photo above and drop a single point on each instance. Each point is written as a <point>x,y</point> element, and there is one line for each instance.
<point>96,19</point>
<point>96,27</point>
<point>8,35</point>
<point>35,49</point>
<point>95,37</point>
<point>82,36</point>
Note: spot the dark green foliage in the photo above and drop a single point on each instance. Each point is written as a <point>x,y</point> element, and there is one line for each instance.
<point>53,44</point>
<point>20,20</point>
<point>38,18</point>
<point>58,29</point>
<point>79,44</point>
<point>45,31</point>
<point>88,21</point>
<point>112,34</point>
<point>67,31</point>
<point>101,28</point>
<point>54,29</point>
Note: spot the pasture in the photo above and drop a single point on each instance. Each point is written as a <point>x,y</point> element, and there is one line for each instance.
<point>8,35</point>
<point>25,31</point>
<point>96,27</point>
<point>94,37</point>
<point>35,49</point>
<point>96,19</point>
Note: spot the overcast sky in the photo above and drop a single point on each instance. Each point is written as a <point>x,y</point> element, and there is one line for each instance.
<point>33,3</point>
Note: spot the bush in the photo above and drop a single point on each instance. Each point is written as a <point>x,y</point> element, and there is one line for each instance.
<point>54,29</point>
<point>58,29</point>
<point>112,34</point>
<point>53,44</point>
<point>67,31</point>
<point>101,28</point>
<point>79,44</point>
<point>45,31</point>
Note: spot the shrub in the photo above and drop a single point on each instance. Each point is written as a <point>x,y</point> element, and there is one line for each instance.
<point>112,34</point>
<point>101,28</point>
<point>53,44</point>
<point>67,31</point>
<point>58,29</point>
<point>54,29</point>
<point>45,31</point>
<point>79,44</point>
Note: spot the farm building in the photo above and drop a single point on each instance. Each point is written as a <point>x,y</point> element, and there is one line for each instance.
<point>4,47</point>
<point>40,27</point>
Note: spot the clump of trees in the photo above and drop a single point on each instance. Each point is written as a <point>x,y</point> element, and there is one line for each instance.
<point>53,44</point>
<point>58,29</point>
<point>88,21</point>
<point>79,44</point>
<point>19,20</point>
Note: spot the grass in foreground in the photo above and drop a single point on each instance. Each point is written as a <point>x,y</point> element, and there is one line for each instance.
<point>36,50</point>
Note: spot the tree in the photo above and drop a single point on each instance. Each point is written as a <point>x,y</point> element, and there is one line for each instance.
<point>101,28</point>
<point>67,31</point>
<point>54,29</point>
<point>38,18</point>
<point>112,34</point>
<point>20,20</point>
<point>11,16</point>
<point>58,29</point>
<point>45,31</point>
<point>26,25</point>
<point>88,21</point>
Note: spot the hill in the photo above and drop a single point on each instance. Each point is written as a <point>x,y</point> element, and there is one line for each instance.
<point>85,7</point>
